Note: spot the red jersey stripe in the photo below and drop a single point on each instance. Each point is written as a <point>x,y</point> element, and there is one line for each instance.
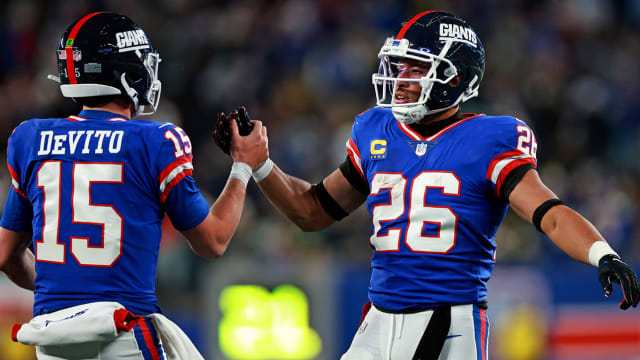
<point>354,155</point>
<point>416,136</point>
<point>167,170</point>
<point>13,173</point>
<point>75,118</point>
<point>174,182</point>
<point>496,162</point>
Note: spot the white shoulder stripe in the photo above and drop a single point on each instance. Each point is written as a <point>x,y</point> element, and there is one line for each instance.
<point>172,175</point>
<point>504,162</point>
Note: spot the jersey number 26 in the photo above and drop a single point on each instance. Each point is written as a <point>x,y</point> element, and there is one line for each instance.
<point>418,213</point>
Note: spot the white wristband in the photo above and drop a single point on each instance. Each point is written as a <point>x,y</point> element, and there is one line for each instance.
<point>263,171</point>
<point>598,250</point>
<point>241,171</point>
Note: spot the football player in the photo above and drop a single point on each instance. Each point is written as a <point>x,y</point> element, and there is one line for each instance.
<point>437,183</point>
<point>82,221</point>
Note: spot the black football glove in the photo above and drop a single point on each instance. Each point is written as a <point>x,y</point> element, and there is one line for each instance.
<point>613,270</point>
<point>222,131</point>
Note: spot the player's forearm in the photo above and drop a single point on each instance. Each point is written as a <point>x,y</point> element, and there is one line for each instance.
<point>295,198</point>
<point>16,260</point>
<point>570,232</point>
<point>211,238</point>
<point>20,269</point>
<point>226,212</point>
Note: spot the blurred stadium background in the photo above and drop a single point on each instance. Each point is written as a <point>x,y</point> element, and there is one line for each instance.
<point>568,68</point>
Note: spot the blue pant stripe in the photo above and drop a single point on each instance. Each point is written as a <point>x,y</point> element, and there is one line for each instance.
<point>142,344</point>
<point>478,329</point>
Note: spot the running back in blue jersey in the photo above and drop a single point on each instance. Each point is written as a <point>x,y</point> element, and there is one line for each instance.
<point>94,189</point>
<point>434,204</point>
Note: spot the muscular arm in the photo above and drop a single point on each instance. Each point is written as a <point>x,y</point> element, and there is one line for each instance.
<point>297,198</point>
<point>565,227</point>
<point>211,237</point>
<point>16,259</point>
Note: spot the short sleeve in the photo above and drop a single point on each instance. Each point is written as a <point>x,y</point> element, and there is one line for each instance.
<point>177,190</point>
<point>16,154</point>
<point>513,145</point>
<point>18,212</point>
<point>185,205</point>
<point>353,150</point>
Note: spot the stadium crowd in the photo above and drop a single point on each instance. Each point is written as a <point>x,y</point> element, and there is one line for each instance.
<point>567,68</point>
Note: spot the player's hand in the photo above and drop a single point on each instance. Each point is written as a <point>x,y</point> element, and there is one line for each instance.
<point>222,132</point>
<point>252,149</point>
<point>613,270</point>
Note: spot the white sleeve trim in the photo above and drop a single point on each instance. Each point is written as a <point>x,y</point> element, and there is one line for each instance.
<point>503,163</point>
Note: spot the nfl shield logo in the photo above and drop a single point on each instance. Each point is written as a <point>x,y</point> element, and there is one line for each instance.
<point>421,149</point>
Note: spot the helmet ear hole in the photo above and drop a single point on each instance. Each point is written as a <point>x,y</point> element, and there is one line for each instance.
<point>455,81</point>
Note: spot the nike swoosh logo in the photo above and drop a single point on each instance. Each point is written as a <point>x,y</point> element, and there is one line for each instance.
<point>452,336</point>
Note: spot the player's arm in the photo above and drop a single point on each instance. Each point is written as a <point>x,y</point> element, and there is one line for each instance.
<point>572,233</point>
<point>16,259</point>
<point>565,227</point>
<point>311,207</point>
<point>211,237</point>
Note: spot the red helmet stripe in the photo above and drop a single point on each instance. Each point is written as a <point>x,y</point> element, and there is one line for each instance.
<point>68,47</point>
<point>406,26</point>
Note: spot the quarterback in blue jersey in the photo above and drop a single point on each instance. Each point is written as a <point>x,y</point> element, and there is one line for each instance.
<point>437,183</point>
<point>82,222</point>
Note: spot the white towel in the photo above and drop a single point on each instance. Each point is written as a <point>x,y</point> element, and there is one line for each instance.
<point>77,324</point>
<point>176,343</point>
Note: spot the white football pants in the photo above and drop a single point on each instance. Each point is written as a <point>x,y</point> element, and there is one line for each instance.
<point>393,336</point>
<point>140,343</point>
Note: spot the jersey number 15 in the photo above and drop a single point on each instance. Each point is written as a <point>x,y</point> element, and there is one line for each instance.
<point>83,212</point>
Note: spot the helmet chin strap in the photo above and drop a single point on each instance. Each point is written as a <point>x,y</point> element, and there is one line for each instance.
<point>409,114</point>
<point>415,113</point>
<point>133,95</point>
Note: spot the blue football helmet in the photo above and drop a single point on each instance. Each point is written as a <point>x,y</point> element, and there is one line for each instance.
<point>449,46</point>
<point>105,54</point>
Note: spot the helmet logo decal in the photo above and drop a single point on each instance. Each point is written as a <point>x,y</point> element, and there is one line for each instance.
<point>459,33</point>
<point>71,68</point>
<point>132,40</point>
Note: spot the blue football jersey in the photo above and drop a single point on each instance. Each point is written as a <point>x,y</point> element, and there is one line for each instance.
<point>98,186</point>
<point>435,204</point>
